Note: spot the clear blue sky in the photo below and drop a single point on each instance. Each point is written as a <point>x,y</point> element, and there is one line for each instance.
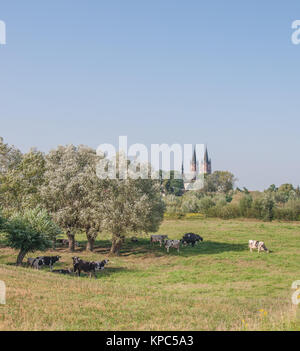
<point>221,72</point>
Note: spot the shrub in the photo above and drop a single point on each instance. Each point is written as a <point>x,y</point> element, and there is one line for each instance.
<point>190,204</point>
<point>245,204</point>
<point>205,204</point>
<point>30,231</point>
<point>229,211</point>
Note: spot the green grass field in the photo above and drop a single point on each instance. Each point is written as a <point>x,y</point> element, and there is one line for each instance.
<point>218,285</point>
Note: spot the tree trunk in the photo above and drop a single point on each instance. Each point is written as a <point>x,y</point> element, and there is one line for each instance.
<point>117,242</point>
<point>20,257</point>
<point>71,238</point>
<point>90,244</point>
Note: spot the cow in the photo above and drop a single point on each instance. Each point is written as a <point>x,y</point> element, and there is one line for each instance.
<point>259,245</point>
<point>172,243</point>
<point>191,238</point>
<point>134,239</point>
<point>101,265</point>
<point>85,266</point>
<point>30,261</point>
<point>45,261</point>
<point>158,239</point>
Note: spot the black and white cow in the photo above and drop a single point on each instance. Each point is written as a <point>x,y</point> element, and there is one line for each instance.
<point>85,266</point>
<point>101,265</point>
<point>259,245</point>
<point>175,244</point>
<point>191,238</point>
<point>39,262</point>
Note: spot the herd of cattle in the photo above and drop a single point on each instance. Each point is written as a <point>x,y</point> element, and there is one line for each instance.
<point>80,265</point>
<point>189,238</point>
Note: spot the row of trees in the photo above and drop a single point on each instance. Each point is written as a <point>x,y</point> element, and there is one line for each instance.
<point>65,184</point>
<point>273,203</point>
<point>217,182</point>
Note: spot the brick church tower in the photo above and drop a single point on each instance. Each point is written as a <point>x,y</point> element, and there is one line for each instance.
<point>196,168</point>
<point>206,164</point>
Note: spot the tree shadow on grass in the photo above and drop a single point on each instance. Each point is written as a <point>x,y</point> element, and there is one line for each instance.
<point>144,248</point>
<point>204,248</point>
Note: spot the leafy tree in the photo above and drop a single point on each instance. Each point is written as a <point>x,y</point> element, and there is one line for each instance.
<point>2,221</point>
<point>31,231</point>
<point>272,188</point>
<point>72,191</point>
<point>9,157</point>
<point>219,181</point>
<point>20,182</point>
<point>131,205</point>
<point>268,204</point>
<point>172,185</point>
<point>245,204</point>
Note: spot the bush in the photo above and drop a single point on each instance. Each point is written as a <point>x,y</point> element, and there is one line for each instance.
<point>229,211</point>
<point>190,204</point>
<point>30,231</point>
<point>173,203</point>
<point>205,204</point>
<point>245,205</point>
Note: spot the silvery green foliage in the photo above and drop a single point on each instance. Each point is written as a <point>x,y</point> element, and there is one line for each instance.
<point>21,176</point>
<point>10,157</point>
<point>132,205</point>
<point>72,192</point>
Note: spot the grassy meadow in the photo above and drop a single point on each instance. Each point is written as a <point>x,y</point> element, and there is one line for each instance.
<point>218,285</point>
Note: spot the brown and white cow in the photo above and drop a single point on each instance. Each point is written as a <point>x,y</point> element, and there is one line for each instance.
<point>259,245</point>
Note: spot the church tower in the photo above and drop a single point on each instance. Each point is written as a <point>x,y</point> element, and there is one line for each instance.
<point>207,163</point>
<point>194,165</point>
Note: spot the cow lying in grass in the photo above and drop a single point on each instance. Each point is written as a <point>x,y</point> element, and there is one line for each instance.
<point>175,244</point>
<point>39,262</point>
<point>158,239</point>
<point>259,245</point>
<point>191,238</point>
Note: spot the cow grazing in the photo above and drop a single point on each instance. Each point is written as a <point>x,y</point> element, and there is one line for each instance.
<point>101,265</point>
<point>175,244</point>
<point>158,239</point>
<point>87,267</point>
<point>191,238</point>
<point>39,262</point>
<point>259,245</point>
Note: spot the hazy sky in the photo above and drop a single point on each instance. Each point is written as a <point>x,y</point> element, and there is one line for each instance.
<point>221,72</point>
